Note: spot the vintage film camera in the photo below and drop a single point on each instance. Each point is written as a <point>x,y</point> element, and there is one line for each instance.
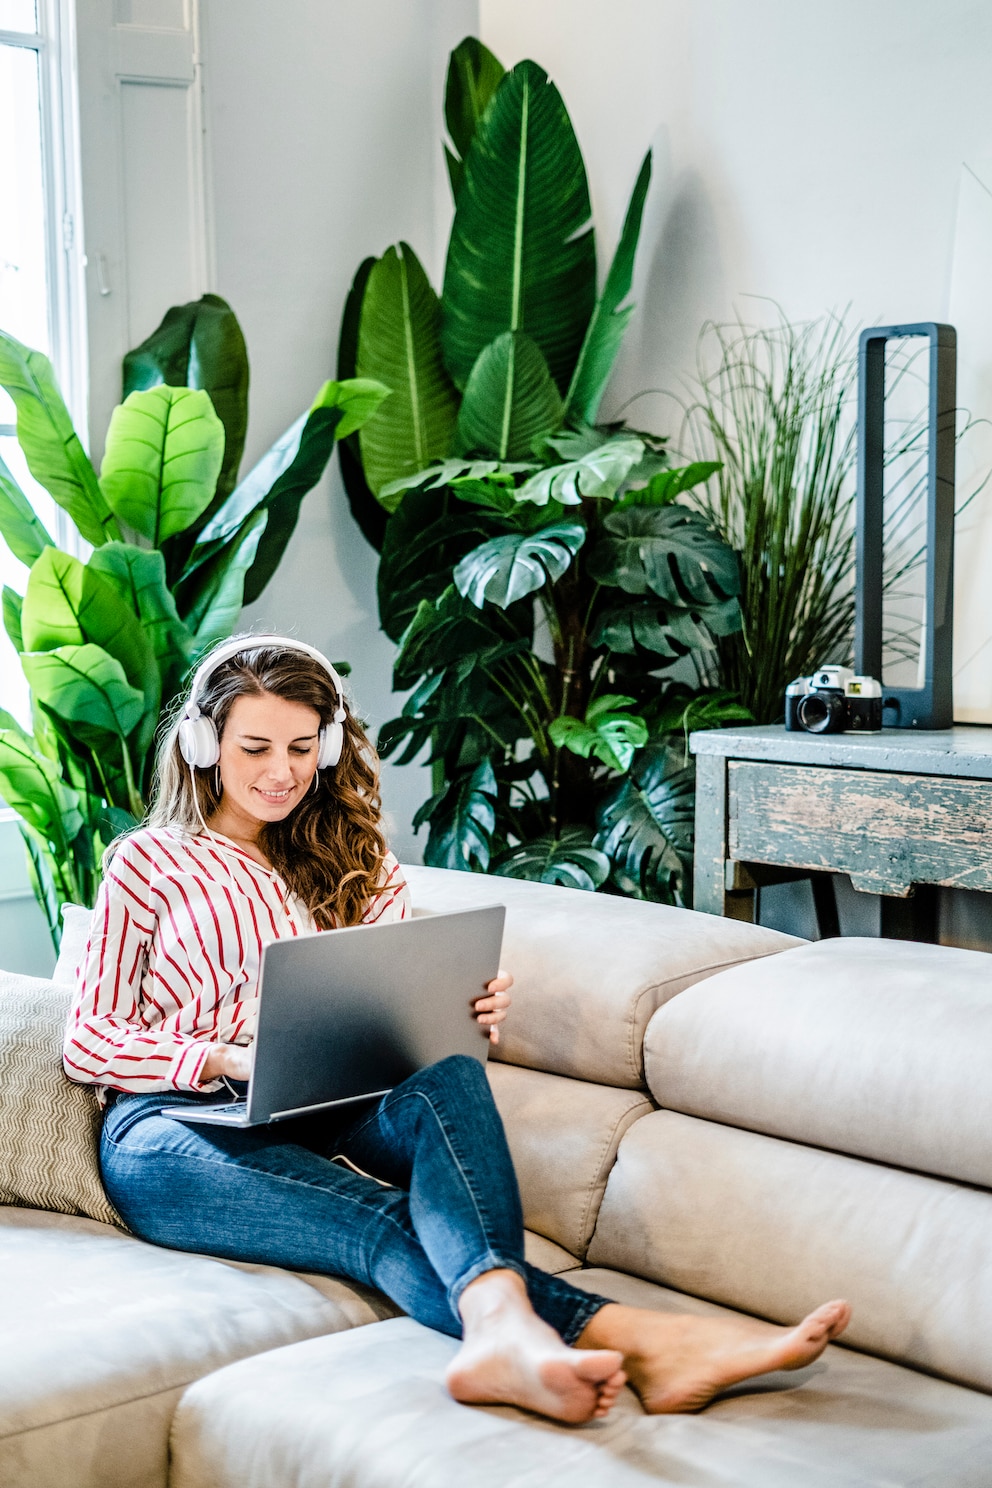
<point>834,701</point>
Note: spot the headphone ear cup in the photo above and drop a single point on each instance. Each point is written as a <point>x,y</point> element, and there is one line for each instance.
<point>329,748</point>
<point>198,742</point>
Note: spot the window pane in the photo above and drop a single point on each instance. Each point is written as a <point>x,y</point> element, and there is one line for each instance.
<point>13,685</point>
<point>18,15</point>
<point>23,269</point>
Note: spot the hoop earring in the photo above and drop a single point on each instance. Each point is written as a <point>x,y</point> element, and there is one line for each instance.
<point>218,784</point>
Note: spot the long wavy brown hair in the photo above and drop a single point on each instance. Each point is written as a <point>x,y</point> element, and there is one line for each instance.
<point>330,850</point>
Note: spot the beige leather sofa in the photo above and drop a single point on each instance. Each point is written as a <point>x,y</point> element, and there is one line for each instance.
<point>703,1114</point>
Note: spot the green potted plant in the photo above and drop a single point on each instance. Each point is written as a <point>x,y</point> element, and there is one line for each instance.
<point>178,545</point>
<point>539,572</point>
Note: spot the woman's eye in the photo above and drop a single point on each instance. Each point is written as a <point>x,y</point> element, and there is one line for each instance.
<point>305,750</point>
<point>251,751</point>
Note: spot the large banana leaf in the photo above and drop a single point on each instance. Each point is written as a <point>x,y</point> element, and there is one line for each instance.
<point>521,255</point>
<point>164,451</point>
<point>87,689</point>
<point>68,604</point>
<point>275,486</point>
<point>600,473</point>
<point>509,567</point>
<point>200,345</point>
<point>51,447</point>
<point>462,820</point>
<point>570,860</point>
<point>365,509</point>
<point>609,732</point>
<point>33,786</point>
<point>645,827</point>
<point>510,401</point>
<point>137,575</point>
<point>12,606</point>
<point>398,345</point>
<point>23,533</point>
<point>474,74</point>
<point>668,550</point>
<point>609,321</point>
<point>221,600</point>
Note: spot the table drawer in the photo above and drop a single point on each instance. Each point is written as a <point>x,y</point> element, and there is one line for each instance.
<point>887,831</point>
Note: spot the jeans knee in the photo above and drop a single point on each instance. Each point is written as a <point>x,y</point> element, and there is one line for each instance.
<point>457,1072</point>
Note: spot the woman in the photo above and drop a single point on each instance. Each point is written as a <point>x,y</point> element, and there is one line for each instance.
<point>265,823</point>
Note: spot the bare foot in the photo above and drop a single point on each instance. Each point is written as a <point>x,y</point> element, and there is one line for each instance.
<point>678,1363</point>
<point>510,1357</point>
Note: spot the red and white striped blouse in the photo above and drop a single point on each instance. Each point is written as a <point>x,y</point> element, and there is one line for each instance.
<point>172,961</point>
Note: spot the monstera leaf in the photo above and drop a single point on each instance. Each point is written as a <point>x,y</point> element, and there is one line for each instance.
<point>570,860</point>
<point>462,820</point>
<point>510,401</point>
<point>645,827</point>
<point>599,473</point>
<point>668,550</point>
<point>200,345</point>
<point>399,346</point>
<point>474,74</point>
<point>447,631</point>
<point>425,539</point>
<point>608,732</point>
<point>509,567</point>
<point>521,256</point>
<point>51,446</point>
<point>665,485</point>
<point>609,320</point>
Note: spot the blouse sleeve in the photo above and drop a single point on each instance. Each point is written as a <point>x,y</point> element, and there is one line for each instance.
<point>111,1037</point>
<point>394,901</point>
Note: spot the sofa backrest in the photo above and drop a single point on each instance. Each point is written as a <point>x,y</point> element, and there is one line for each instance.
<point>825,1134</point>
<point>591,969</point>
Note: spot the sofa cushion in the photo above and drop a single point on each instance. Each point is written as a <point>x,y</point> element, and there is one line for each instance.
<point>563,1137</point>
<point>775,1228</point>
<point>102,1332</point>
<point>76,922</point>
<point>369,1409</point>
<point>880,1048</point>
<point>49,1126</point>
<point>590,969</point>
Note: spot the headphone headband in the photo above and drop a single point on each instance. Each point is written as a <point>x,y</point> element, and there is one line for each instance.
<point>197,737</point>
<point>236,645</point>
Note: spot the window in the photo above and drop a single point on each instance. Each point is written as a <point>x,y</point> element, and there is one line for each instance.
<point>40,263</point>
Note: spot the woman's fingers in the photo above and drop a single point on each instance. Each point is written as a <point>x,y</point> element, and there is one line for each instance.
<point>501,982</point>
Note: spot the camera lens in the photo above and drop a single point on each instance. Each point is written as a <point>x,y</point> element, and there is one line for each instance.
<point>821,712</point>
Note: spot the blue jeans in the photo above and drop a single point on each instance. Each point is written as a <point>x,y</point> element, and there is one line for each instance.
<point>276,1196</point>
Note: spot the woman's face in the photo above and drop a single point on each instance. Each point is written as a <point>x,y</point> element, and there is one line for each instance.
<point>268,756</point>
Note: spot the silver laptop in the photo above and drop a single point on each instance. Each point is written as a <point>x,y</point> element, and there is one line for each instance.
<point>348,1014</point>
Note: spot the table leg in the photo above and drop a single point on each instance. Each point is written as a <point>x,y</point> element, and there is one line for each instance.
<point>711,893</point>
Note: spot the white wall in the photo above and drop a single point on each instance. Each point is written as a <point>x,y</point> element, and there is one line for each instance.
<point>824,155</point>
<point>323,129</point>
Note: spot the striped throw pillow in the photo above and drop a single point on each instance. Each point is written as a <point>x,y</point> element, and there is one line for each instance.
<point>49,1126</point>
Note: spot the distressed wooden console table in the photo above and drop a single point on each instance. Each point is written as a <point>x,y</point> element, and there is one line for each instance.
<point>901,812</point>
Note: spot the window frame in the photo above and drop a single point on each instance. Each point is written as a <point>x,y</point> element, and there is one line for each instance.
<point>54,42</point>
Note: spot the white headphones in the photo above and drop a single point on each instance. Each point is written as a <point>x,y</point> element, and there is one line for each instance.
<point>198,741</point>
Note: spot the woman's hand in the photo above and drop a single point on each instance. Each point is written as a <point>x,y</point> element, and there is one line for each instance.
<point>232,1060</point>
<point>490,1010</point>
